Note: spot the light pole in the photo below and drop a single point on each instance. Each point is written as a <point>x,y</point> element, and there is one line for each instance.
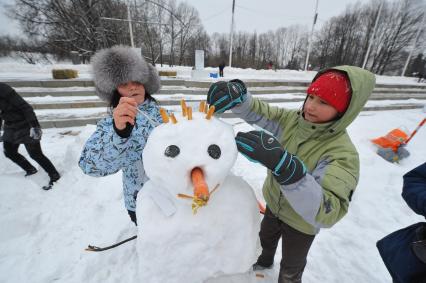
<point>414,44</point>
<point>129,18</point>
<point>232,34</point>
<point>372,36</point>
<point>312,33</point>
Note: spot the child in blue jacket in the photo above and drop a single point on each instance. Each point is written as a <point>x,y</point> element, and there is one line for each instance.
<point>404,251</point>
<point>124,80</point>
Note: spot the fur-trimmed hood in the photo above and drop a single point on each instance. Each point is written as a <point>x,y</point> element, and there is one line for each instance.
<point>120,64</point>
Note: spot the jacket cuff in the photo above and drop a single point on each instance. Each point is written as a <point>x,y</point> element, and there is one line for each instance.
<point>124,133</point>
<point>243,108</point>
<point>34,124</point>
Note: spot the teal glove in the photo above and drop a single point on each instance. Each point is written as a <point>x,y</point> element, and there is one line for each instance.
<point>225,95</point>
<point>261,147</point>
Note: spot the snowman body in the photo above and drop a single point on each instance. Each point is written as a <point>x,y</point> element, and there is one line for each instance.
<point>174,244</point>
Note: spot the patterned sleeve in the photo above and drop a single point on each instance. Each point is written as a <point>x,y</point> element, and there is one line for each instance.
<point>106,153</point>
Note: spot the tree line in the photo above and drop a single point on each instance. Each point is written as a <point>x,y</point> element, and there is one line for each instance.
<point>169,32</point>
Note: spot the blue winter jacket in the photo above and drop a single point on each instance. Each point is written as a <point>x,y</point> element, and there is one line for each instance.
<point>106,152</point>
<point>404,251</point>
<point>414,190</point>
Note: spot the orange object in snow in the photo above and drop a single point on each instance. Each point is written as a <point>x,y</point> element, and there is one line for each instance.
<point>201,190</point>
<point>393,140</point>
<point>415,131</point>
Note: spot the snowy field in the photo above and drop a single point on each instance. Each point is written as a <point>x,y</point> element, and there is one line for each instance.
<point>16,69</point>
<point>44,233</point>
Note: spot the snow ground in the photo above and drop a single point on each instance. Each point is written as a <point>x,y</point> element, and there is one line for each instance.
<point>14,69</point>
<point>43,234</point>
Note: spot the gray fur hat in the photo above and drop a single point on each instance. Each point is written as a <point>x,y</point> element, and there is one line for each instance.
<point>120,64</point>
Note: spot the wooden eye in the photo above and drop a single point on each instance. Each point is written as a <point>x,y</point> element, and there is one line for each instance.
<point>214,151</point>
<point>172,151</point>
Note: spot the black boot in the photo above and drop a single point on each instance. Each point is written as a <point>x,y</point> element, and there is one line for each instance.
<point>30,172</point>
<point>53,178</point>
<point>257,266</point>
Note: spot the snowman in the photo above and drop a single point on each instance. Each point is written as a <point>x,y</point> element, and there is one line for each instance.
<point>196,220</point>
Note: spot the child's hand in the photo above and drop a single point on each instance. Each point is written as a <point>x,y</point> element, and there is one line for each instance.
<point>36,133</point>
<point>259,146</point>
<point>226,95</point>
<point>125,112</point>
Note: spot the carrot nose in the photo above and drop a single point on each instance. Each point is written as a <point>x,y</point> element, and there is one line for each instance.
<point>201,190</point>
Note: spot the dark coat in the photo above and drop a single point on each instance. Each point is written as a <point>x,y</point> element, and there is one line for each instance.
<point>18,116</point>
<point>404,251</point>
<point>414,190</point>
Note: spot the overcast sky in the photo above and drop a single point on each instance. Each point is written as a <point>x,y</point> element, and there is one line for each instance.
<point>250,15</point>
<point>7,26</point>
<point>265,15</point>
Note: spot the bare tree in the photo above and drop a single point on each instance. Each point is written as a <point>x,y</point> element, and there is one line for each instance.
<point>200,41</point>
<point>397,31</point>
<point>173,31</point>
<point>297,38</point>
<point>147,35</point>
<point>253,49</point>
<point>69,25</point>
<point>189,26</point>
<point>345,39</point>
<point>241,46</point>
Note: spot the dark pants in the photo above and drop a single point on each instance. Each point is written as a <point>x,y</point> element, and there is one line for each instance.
<point>295,247</point>
<point>34,150</point>
<point>221,72</point>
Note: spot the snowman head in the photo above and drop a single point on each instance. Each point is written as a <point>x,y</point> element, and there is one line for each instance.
<point>189,151</point>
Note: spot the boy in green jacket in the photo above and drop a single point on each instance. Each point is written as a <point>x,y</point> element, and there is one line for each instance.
<point>313,167</point>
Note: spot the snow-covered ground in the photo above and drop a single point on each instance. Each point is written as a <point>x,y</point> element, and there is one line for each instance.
<point>43,234</point>
<point>15,69</point>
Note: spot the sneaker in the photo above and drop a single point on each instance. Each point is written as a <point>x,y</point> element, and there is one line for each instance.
<point>30,172</point>
<point>258,267</point>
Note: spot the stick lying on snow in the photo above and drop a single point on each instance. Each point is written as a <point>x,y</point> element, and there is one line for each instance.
<point>98,249</point>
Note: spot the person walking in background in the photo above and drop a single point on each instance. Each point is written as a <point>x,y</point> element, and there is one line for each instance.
<point>312,165</point>
<point>404,251</point>
<point>221,67</point>
<point>22,127</point>
<point>126,81</point>
<point>421,76</point>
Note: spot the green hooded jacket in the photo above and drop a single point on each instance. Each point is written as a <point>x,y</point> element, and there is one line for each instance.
<point>321,198</point>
